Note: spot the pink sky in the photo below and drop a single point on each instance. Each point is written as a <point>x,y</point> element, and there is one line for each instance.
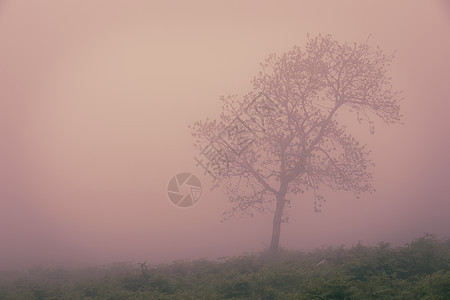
<point>95,100</point>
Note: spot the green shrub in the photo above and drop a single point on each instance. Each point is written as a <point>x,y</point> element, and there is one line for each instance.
<point>419,270</point>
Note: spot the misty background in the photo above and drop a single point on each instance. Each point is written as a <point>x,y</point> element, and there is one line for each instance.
<point>95,103</point>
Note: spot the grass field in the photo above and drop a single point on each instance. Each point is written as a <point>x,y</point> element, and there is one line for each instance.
<point>418,270</point>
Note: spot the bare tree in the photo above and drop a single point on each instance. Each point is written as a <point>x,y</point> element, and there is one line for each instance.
<point>285,137</point>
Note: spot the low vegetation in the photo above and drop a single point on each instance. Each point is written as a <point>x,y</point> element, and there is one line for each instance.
<point>418,270</point>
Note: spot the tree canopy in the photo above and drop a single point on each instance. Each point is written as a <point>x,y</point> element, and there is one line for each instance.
<point>284,137</point>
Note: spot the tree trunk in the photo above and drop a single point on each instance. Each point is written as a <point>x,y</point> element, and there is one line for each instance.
<point>277,226</point>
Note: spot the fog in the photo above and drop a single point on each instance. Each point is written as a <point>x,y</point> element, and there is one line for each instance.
<point>95,103</point>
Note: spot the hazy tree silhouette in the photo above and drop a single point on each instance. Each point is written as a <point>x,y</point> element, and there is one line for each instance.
<point>285,137</point>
